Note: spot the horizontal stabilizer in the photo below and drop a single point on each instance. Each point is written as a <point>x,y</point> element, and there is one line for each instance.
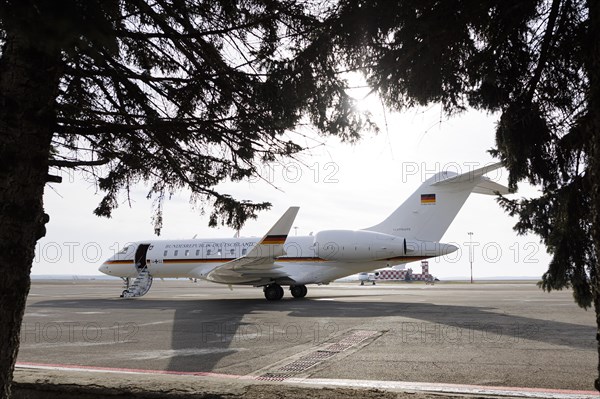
<point>469,176</point>
<point>490,187</point>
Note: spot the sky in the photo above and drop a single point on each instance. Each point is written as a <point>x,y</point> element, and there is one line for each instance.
<point>336,185</point>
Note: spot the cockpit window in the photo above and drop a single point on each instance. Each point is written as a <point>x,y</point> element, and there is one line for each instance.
<point>124,250</point>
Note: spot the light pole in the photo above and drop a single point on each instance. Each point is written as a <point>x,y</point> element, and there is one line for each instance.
<point>470,233</point>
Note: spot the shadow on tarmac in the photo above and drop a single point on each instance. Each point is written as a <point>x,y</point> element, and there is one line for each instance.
<point>204,329</point>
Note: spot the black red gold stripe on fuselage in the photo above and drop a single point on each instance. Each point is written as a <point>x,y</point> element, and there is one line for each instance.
<point>403,259</point>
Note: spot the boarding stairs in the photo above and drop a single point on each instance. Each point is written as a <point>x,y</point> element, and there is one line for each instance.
<point>140,286</point>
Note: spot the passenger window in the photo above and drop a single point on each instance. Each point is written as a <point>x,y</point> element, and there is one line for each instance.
<point>219,253</point>
<point>231,251</point>
<point>176,252</point>
<point>244,251</point>
<point>187,252</point>
<point>165,254</point>
<point>197,252</point>
<point>208,252</point>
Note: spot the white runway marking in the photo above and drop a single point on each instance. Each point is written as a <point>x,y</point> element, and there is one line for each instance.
<point>370,384</point>
<point>91,312</point>
<point>448,388</point>
<point>170,353</point>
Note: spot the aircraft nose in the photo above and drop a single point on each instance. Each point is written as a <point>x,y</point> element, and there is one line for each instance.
<point>103,268</point>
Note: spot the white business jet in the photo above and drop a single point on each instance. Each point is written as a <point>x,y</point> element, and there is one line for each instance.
<point>412,232</point>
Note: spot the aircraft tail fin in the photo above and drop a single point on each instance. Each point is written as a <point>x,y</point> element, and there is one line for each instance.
<point>429,211</point>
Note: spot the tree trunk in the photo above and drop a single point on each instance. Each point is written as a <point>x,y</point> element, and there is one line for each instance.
<point>593,70</point>
<point>28,89</point>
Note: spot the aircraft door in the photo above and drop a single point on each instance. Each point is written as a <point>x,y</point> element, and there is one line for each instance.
<point>141,256</point>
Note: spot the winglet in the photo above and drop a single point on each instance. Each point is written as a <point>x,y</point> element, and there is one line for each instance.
<point>272,243</point>
<point>260,257</point>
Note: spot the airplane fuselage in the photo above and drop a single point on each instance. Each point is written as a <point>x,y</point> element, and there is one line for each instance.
<point>410,233</point>
<point>306,261</point>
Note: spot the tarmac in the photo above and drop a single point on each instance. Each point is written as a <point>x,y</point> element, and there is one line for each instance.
<point>389,340</point>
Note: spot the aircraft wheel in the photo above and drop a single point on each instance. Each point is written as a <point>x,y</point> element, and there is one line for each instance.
<point>299,291</point>
<point>273,292</point>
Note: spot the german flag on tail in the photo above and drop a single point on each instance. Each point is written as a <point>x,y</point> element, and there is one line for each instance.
<point>427,199</point>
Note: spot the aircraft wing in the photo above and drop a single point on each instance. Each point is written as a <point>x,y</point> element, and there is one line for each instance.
<point>258,264</point>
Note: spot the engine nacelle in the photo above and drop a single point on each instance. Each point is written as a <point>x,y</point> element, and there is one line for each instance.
<point>357,245</point>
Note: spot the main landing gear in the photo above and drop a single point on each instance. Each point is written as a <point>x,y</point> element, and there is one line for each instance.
<point>298,291</point>
<point>274,292</point>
